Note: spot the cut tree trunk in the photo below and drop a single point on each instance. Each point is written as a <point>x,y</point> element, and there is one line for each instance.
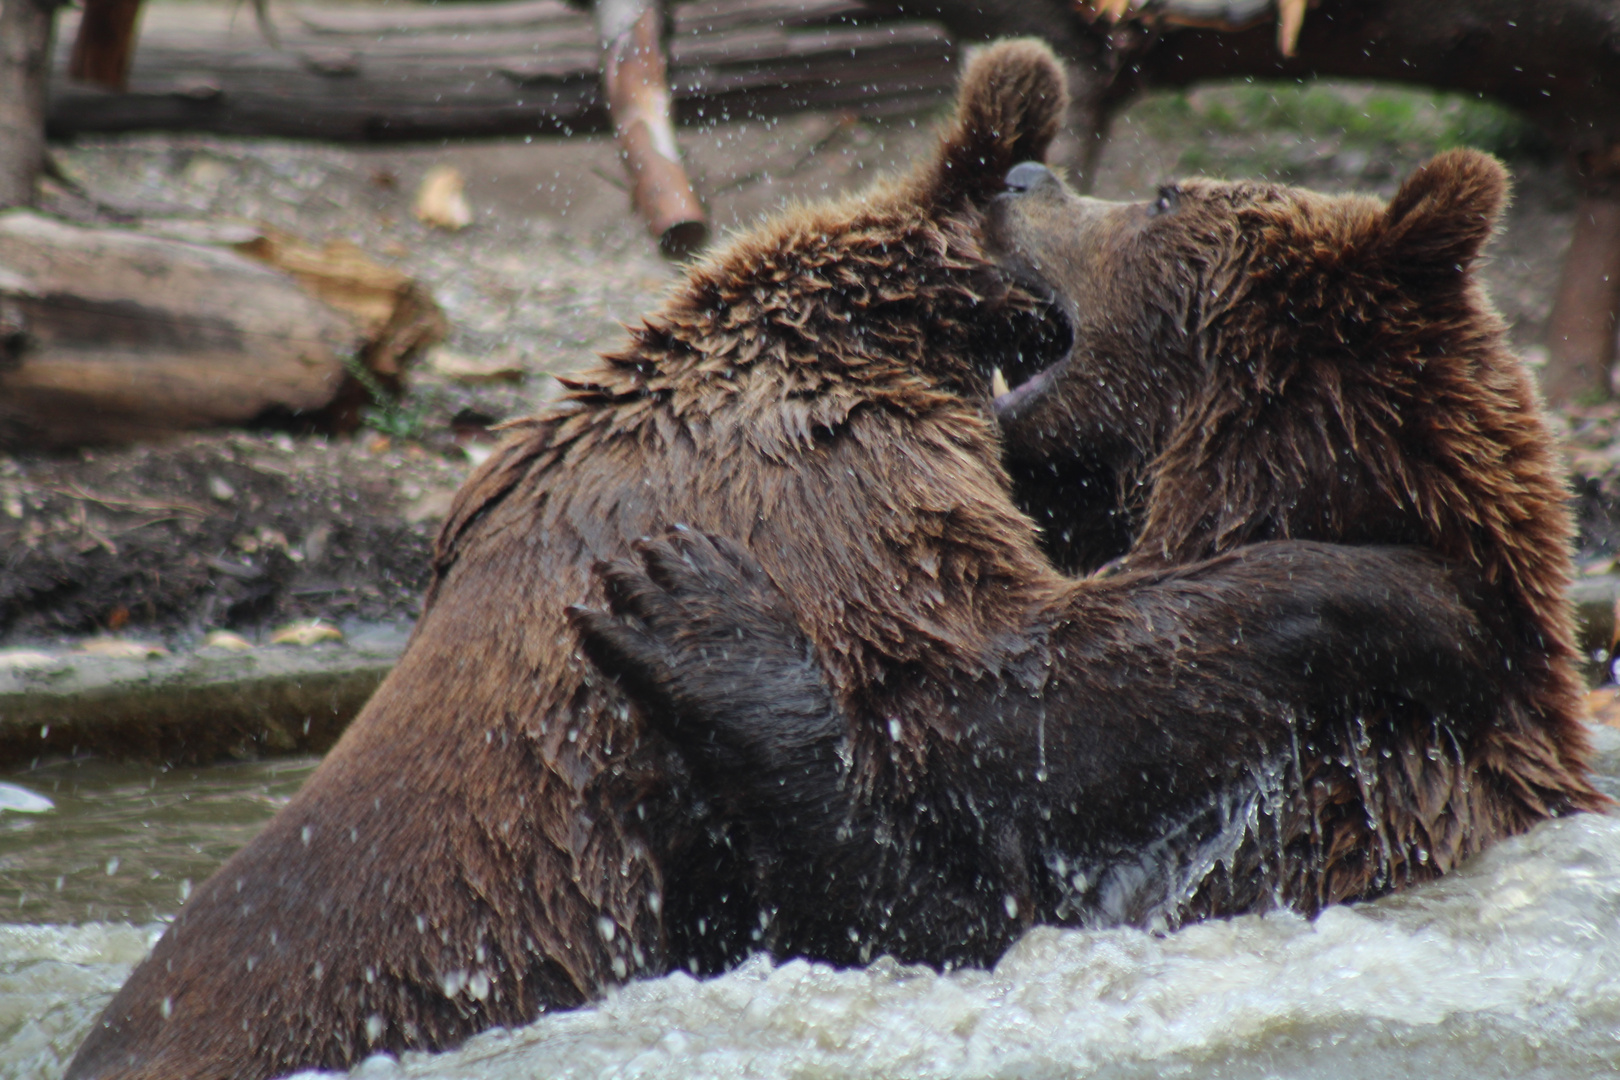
<point>486,69</point>
<point>109,335</point>
<point>105,43</point>
<point>25,50</point>
<point>634,75</point>
<point>1581,335</point>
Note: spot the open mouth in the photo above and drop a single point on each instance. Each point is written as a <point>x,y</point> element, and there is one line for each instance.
<point>1027,365</point>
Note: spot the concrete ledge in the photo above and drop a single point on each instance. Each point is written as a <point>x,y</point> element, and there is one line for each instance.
<point>200,706</point>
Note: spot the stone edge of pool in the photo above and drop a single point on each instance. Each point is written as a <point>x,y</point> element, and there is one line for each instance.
<point>195,706</point>
<point>210,703</point>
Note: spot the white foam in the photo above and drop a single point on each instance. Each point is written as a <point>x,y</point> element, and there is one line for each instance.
<point>1508,968</point>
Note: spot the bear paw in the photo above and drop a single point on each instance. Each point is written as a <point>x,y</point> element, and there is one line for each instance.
<point>701,639</point>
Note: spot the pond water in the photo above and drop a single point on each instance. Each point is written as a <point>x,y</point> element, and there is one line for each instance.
<point>1508,968</point>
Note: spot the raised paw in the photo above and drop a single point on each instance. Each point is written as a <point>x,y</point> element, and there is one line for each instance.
<point>698,635</point>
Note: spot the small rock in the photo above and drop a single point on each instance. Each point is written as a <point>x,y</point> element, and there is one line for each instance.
<point>224,639</point>
<point>442,199</point>
<point>22,659</point>
<point>314,545</point>
<point>434,506</point>
<point>23,801</point>
<point>306,633</point>
<point>206,172</point>
<point>120,649</point>
<point>221,489</point>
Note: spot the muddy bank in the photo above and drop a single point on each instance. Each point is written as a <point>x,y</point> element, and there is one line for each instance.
<point>239,532</point>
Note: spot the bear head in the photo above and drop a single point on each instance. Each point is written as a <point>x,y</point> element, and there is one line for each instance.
<point>1253,361</point>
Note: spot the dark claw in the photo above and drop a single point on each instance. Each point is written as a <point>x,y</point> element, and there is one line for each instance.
<point>632,592</point>
<point>627,655</point>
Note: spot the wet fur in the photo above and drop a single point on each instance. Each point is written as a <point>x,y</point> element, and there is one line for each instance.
<point>1315,368</point>
<point>1329,368</point>
<point>496,835</point>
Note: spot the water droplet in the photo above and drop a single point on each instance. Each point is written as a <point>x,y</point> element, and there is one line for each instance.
<point>478,986</point>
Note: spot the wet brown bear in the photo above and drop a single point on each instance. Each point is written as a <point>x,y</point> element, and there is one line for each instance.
<point>497,835</point>
<point>1251,365</point>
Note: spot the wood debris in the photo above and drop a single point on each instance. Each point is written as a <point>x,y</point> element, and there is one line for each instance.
<point>121,649</point>
<point>497,367</point>
<point>306,633</point>
<point>441,201</point>
<point>224,639</point>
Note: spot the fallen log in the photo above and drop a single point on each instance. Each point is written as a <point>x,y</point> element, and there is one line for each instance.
<point>487,69</point>
<point>111,335</point>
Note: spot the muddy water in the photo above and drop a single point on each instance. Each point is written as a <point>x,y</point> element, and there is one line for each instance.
<point>1509,968</point>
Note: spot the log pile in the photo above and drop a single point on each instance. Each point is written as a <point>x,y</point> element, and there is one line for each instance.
<point>486,69</point>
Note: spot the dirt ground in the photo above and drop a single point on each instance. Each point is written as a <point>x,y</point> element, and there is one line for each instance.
<point>247,530</point>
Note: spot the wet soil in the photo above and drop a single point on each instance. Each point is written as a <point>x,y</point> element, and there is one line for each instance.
<point>238,532</point>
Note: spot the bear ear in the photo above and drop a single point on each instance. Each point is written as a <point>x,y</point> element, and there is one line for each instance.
<point>1011,102</point>
<point>1445,211</point>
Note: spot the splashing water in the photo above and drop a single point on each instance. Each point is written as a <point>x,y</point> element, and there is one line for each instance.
<point>1509,967</point>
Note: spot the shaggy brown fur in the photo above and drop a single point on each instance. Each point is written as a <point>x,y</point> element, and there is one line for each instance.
<point>498,834</point>
<point>1250,364</point>
<point>494,836</point>
<point>1325,368</point>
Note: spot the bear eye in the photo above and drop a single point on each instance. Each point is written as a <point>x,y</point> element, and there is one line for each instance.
<point>1169,197</point>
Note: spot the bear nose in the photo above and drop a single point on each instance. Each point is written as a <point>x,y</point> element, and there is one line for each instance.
<point>1029,175</point>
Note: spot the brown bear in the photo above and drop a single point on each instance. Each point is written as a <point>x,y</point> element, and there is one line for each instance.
<point>499,834</point>
<point>1252,366</point>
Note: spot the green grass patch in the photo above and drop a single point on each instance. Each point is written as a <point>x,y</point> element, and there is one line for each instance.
<point>1369,117</point>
